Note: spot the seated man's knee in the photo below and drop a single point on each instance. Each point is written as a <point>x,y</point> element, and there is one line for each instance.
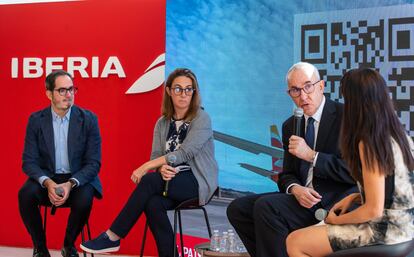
<point>82,206</point>
<point>262,206</point>
<point>22,195</point>
<point>28,193</point>
<point>83,200</point>
<point>267,208</point>
<point>234,209</point>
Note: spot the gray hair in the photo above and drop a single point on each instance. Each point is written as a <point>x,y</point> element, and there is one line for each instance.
<point>308,68</point>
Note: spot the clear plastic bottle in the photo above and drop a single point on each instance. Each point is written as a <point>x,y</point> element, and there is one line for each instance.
<point>232,243</point>
<point>224,242</point>
<point>239,245</point>
<point>215,241</point>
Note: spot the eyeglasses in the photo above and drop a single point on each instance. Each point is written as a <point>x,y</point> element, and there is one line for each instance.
<point>63,91</point>
<point>179,91</point>
<point>307,88</point>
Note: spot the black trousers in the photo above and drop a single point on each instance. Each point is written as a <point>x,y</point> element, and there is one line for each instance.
<point>147,197</point>
<point>263,222</point>
<point>32,194</point>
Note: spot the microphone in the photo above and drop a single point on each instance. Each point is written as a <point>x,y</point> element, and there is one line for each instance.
<point>297,120</point>
<point>320,214</point>
<point>59,191</point>
<point>171,159</point>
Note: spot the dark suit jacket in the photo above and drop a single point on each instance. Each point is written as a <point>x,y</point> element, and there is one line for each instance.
<point>331,178</point>
<point>84,147</point>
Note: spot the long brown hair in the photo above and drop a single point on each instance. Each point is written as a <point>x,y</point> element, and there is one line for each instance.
<point>167,108</point>
<point>369,117</point>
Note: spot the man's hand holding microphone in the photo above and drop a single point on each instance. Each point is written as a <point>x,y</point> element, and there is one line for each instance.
<point>306,196</point>
<point>58,193</point>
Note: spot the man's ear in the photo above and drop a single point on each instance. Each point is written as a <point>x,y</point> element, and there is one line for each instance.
<point>49,94</point>
<point>322,83</point>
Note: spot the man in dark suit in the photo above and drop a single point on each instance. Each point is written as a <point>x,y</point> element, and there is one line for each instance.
<point>62,158</point>
<point>314,175</point>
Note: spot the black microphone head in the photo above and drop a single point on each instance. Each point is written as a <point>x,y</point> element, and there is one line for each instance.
<point>298,112</point>
<point>320,214</point>
<point>59,191</point>
<point>297,120</point>
<point>171,159</point>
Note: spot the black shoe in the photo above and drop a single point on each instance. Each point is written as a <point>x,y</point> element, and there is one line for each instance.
<point>69,252</point>
<point>40,253</point>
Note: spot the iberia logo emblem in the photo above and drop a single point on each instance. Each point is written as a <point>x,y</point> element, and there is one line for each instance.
<point>153,77</point>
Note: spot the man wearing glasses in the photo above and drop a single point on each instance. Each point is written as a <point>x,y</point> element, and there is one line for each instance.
<point>62,158</point>
<point>314,175</point>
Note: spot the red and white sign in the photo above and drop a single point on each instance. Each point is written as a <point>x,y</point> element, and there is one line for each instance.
<point>115,49</point>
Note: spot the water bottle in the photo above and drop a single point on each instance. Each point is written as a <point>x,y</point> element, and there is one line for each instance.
<point>215,241</point>
<point>232,243</point>
<point>224,242</point>
<point>240,246</point>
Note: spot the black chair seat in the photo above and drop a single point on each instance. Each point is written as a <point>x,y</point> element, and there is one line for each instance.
<point>396,250</point>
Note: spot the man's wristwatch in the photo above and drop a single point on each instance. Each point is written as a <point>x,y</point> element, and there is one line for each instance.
<point>73,182</point>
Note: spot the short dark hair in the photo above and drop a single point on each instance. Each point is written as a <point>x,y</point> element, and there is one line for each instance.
<point>51,78</point>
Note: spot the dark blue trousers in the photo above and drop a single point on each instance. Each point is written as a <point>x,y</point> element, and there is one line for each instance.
<point>263,221</point>
<point>147,197</point>
<point>31,195</point>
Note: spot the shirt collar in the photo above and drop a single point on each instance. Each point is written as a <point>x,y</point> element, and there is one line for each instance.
<point>57,117</point>
<point>318,114</point>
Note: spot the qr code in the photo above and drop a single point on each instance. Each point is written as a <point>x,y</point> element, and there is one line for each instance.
<point>381,38</point>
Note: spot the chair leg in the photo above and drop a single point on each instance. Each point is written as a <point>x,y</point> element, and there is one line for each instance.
<point>143,239</point>
<point>175,232</point>
<point>44,218</point>
<point>181,233</point>
<point>88,230</point>
<point>83,239</point>
<point>207,221</point>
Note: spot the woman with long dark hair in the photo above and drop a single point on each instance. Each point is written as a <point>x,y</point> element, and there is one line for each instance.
<point>380,156</point>
<point>182,136</point>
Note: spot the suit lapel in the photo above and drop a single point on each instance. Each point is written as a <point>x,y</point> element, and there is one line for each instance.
<point>48,136</point>
<point>327,120</point>
<point>75,125</point>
